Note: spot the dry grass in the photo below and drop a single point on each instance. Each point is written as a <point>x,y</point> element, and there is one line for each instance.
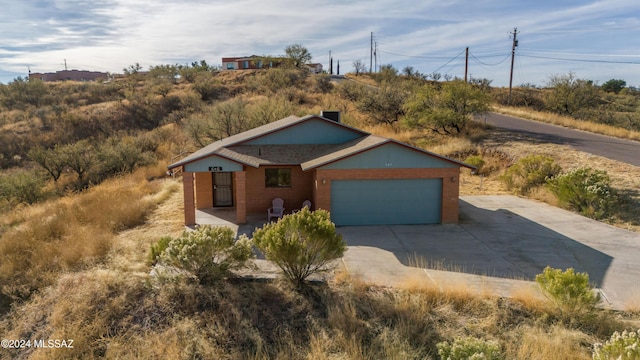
<point>532,299</point>
<point>72,232</point>
<point>95,288</point>
<point>569,122</point>
<point>453,145</point>
<point>125,313</point>
<point>555,343</point>
<point>633,305</point>
<point>392,132</point>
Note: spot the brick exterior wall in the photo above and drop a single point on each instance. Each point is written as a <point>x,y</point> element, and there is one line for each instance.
<point>259,196</point>
<point>240,196</point>
<point>189,204</point>
<point>204,190</point>
<point>250,195</point>
<point>450,185</point>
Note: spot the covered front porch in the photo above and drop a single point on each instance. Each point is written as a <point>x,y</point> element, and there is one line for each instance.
<point>226,217</point>
<point>242,197</point>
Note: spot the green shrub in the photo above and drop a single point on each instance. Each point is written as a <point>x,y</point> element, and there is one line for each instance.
<point>22,187</point>
<point>79,157</point>
<point>301,244</point>
<point>469,348</point>
<point>208,86</point>
<point>625,346</point>
<point>277,79</point>
<point>529,172</point>
<point>584,190</point>
<point>208,253</point>
<point>158,248</point>
<point>571,292</point>
<point>351,90</point>
<point>119,155</point>
<point>477,161</point>
<point>323,83</point>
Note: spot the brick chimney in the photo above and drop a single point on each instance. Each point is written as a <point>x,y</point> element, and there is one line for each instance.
<point>331,115</point>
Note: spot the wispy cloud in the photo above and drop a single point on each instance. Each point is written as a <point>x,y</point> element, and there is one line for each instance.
<point>109,35</point>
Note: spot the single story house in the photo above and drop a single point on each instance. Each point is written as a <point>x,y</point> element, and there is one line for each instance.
<point>362,179</point>
<point>74,75</point>
<point>262,62</point>
<point>315,68</point>
<point>250,62</point>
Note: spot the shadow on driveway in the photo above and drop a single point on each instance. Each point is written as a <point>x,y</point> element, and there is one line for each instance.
<point>492,242</point>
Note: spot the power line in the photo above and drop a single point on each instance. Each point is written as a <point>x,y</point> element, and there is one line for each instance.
<point>519,68</point>
<point>429,57</point>
<point>454,65</point>
<point>415,56</point>
<point>447,63</point>
<point>483,63</point>
<point>478,56</point>
<point>550,52</point>
<point>584,30</point>
<point>581,60</point>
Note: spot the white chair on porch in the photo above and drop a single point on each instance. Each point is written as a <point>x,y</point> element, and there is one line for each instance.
<point>276,210</point>
<point>305,204</point>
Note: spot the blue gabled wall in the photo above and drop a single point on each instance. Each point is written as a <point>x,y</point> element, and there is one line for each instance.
<point>203,165</point>
<point>389,156</point>
<point>312,131</point>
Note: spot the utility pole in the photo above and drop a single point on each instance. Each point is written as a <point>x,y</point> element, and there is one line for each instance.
<point>65,64</point>
<point>375,56</point>
<point>371,55</point>
<point>466,64</point>
<point>513,56</point>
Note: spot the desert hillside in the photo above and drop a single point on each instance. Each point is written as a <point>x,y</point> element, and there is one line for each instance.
<point>84,196</point>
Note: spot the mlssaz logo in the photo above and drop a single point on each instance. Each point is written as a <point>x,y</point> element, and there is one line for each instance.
<point>53,344</point>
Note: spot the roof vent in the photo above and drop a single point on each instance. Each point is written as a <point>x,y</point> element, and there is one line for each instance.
<point>331,115</point>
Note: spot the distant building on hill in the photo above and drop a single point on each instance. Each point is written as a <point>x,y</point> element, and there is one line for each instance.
<point>261,62</point>
<point>251,62</point>
<point>315,68</point>
<point>73,75</point>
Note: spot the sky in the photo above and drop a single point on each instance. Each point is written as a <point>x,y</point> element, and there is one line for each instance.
<point>594,40</point>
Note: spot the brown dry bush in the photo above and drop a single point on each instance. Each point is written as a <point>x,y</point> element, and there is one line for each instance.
<point>555,343</point>
<point>116,314</point>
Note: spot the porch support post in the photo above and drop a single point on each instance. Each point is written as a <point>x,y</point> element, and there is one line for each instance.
<point>189,200</point>
<point>204,190</point>
<point>450,195</point>
<point>240,186</point>
<point>322,190</point>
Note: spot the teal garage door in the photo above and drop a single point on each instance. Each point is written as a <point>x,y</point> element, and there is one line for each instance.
<point>377,202</point>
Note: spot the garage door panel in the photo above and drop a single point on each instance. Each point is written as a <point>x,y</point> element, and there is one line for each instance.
<point>396,201</point>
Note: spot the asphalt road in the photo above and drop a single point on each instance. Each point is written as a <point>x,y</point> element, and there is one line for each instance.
<point>627,151</point>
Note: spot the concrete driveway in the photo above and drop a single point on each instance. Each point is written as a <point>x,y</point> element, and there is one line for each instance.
<point>501,243</point>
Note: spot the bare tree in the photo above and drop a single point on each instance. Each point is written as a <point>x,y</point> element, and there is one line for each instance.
<point>359,67</point>
<point>52,160</point>
<point>80,157</point>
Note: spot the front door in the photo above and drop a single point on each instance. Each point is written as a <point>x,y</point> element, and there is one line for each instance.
<point>222,189</point>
